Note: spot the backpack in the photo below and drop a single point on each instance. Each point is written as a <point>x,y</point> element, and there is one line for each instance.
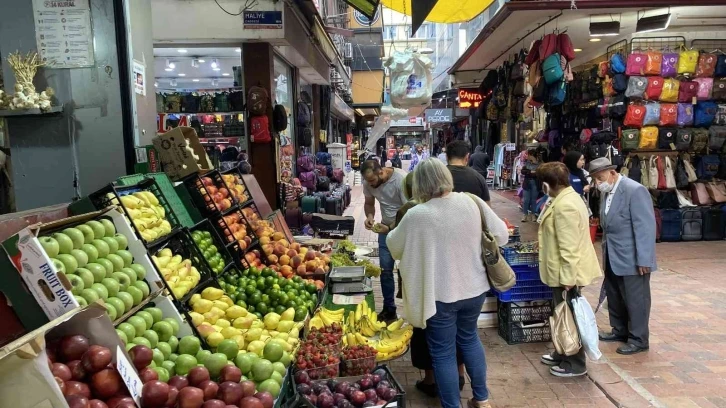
<point>257,99</point>
<point>707,167</point>
<point>669,65</point>
<point>705,88</point>
<point>617,64</point>
<point>321,170</point>
<point>666,136</point>
<point>190,102</point>
<point>719,89</point>
<point>652,114</point>
<point>717,137</point>
<point>338,175</point>
<point>720,70</point>
<point>260,129</point>
<point>221,104</point>
<point>634,116</point>
<point>305,163</point>
<point>305,136</point>
<point>636,64</point>
<point>706,65</point>
<point>322,184</point>
<point>323,158</point>
<point>721,115</point>
<point>630,139</point>
<point>634,169</point>
<point>557,94</point>
<point>236,100</point>
<point>685,114</point>
<point>308,179</point>
<point>636,87</point>
<point>303,114</point>
<point>564,46</point>
<point>691,224</point>
<point>279,118</point>
<point>552,69</point>
<point>533,54</point>
<point>684,138</point>
<point>668,114</point>
<point>669,93</point>
<point>617,106</point>
<point>704,113</point>
<point>620,83</point>
<point>687,91</point>
<point>654,60</point>
<point>654,88</point>
<point>206,103</point>
<point>598,150</point>
<point>547,47</point>
<point>648,138</point>
<point>700,140</point>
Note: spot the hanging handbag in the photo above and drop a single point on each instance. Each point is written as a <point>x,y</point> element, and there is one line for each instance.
<point>652,114</point>
<point>518,70</point>
<point>687,91</point>
<point>690,171</point>
<point>565,336</point>
<point>700,195</point>
<point>636,64</point>
<point>648,138</point>
<point>669,174</point>
<point>704,113</point>
<point>500,274</point>
<point>705,87</point>
<point>625,170</point>
<point>630,139</point>
<point>668,114</point>
<point>681,175</point>
<point>717,192</point>
<point>645,173</point>
<point>533,54</point>
<point>670,90</point>
<point>683,139</point>
<point>654,173</point>
<point>669,65</point>
<point>719,89</point>
<point>654,88</point>
<point>685,114</point>
<point>666,137</point>
<point>602,69</point>
<point>687,61</point>
<point>636,87</point>
<point>706,65</point>
<point>653,62</point>
<point>634,116</point>
<point>683,199</point>
<point>720,70</point>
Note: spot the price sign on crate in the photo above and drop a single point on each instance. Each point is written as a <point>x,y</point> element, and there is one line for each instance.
<point>128,375</point>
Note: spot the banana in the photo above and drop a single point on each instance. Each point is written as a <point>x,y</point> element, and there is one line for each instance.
<point>359,311</point>
<point>316,322</point>
<point>345,341</point>
<point>326,319</point>
<point>395,325</point>
<point>362,340</point>
<point>351,339</point>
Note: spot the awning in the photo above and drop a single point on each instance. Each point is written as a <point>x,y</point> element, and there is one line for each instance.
<point>367,90</point>
<point>340,109</point>
<point>445,11</point>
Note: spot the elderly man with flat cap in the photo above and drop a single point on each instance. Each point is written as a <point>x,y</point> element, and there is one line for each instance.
<point>628,248</point>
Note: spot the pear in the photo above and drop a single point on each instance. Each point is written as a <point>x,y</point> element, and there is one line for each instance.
<point>202,306</point>
<point>166,252</point>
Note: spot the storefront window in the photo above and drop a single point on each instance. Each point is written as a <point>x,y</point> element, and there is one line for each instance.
<point>283,95</point>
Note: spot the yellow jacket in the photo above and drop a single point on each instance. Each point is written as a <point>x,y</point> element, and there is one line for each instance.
<point>566,254</point>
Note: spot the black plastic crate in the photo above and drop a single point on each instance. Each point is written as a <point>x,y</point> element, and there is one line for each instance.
<point>524,311</point>
<point>205,226</point>
<point>246,197</point>
<point>524,323</point>
<point>202,188</point>
<point>111,195</point>
<point>181,243</point>
<point>233,245</point>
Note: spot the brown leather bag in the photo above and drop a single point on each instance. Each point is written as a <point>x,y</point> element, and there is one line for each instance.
<point>700,195</point>
<point>717,191</point>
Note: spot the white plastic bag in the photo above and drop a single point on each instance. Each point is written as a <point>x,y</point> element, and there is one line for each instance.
<point>587,327</point>
<point>411,83</point>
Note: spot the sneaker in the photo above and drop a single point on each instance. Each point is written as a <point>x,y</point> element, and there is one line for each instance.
<point>478,404</point>
<point>525,218</point>
<point>547,359</point>
<point>387,315</point>
<point>558,371</point>
<point>429,389</point>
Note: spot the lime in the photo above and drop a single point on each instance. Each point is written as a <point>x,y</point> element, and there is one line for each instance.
<point>255,298</point>
<point>250,289</point>
<point>279,309</point>
<point>265,298</point>
<point>241,303</point>
<point>300,314</point>
<point>262,308</point>
<point>250,308</point>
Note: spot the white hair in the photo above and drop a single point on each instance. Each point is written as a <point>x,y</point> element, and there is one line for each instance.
<point>431,179</point>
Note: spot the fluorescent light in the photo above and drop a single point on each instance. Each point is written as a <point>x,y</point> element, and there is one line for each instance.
<point>238,50</point>
<point>578,49</point>
<point>195,80</point>
<point>216,69</point>
<point>168,69</point>
<point>225,74</point>
<point>653,23</point>
<point>182,74</point>
<point>604,28</point>
<point>201,61</point>
<point>595,39</point>
<point>181,51</point>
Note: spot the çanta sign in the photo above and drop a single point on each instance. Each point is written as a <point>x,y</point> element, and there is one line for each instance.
<point>438,115</point>
<point>469,98</point>
<point>256,20</point>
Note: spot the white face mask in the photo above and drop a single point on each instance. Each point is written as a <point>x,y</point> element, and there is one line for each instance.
<point>605,187</point>
<point>546,188</point>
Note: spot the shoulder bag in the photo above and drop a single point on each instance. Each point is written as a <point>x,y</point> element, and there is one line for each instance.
<point>653,174</point>
<point>500,274</point>
<point>565,336</point>
<point>669,174</point>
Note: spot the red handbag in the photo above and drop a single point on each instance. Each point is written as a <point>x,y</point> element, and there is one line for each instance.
<point>634,116</point>
<point>668,114</point>
<point>654,88</point>
<point>706,65</point>
<point>660,165</point>
<point>687,91</point>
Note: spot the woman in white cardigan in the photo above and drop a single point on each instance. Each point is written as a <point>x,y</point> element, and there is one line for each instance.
<point>439,245</point>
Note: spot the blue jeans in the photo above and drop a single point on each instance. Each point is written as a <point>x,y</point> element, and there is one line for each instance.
<point>529,198</point>
<point>388,285</point>
<point>460,318</point>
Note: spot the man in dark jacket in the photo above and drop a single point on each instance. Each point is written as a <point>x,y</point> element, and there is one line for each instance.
<point>479,161</point>
<point>466,179</point>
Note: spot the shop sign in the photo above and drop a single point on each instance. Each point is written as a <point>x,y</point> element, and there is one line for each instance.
<point>262,20</point>
<point>161,122</point>
<point>412,121</point>
<point>349,145</point>
<point>63,33</point>
<point>438,116</point>
<point>469,98</point>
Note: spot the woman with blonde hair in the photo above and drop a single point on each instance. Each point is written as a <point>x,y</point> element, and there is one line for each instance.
<point>444,289</point>
<point>567,259</point>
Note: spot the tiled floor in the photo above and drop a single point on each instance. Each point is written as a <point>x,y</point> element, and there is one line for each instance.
<point>686,364</point>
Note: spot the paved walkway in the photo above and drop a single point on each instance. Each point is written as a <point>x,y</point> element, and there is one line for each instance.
<point>686,364</point>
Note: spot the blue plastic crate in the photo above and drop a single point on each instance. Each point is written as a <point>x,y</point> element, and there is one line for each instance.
<point>515,258</point>
<point>526,273</point>
<point>521,293</point>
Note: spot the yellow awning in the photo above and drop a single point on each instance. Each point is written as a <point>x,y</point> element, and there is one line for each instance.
<point>445,11</point>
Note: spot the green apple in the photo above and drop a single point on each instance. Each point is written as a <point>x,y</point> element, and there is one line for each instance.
<point>126,256</point>
<point>131,345</point>
<point>117,261</point>
<point>50,246</point>
<point>127,299</point>
<point>185,362</point>
<point>107,266</point>
<point>139,324</point>
<point>112,285</point>
<point>101,247</point>
<point>90,295</point>
<point>170,367</point>
<point>121,335</point>
<point>164,347</point>
<point>140,271</point>
<point>146,316</point>
<point>144,287</point>
<point>119,305</point>
<point>86,275</point>
<point>172,356</point>
<point>69,261</point>
<point>77,284</point>
<point>189,345</point>
<point>174,324</point>
<point>88,235</point>
<point>202,356</point>
<point>173,343</point>
<point>81,301</point>
<point>76,236</point>
<point>156,313</point>
<point>111,310</point>
<point>99,231</point>
<point>112,244</point>
<point>101,290</point>
<point>98,271</point>
<point>108,227</point>
<point>131,274</point>
<point>90,251</point>
<point>136,294</point>
<point>152,337</point>
<point>164,330</point>
<point>122,278</point>
<point>123,242</point>
<point>58,265</point>
<point>81,257</point>
<point>127,329</point>
<point>65,243</point>
<point>142,341</point>
<point>158,356</point>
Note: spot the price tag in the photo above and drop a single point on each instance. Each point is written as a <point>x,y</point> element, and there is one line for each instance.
<point>673,147</point>
<point>128,375</point>
<point>348,300</point>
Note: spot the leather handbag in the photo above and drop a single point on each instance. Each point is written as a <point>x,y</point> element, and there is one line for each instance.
<point>700,195</point>
<point>653,174</point>
<point>670,175</point>
<point>717,191</point>
<point>500,274</point>
<point>565,336</point>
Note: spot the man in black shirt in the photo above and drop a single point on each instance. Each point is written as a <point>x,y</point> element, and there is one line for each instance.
<point>466,179</point>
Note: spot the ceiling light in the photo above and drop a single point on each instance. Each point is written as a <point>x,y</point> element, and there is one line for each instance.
<point>167,69</point>
<point>216,69</point>
<point>195,80</point>
<point>653,23</point>
<point>225,74</point>
<point>172,82</point>
<point>604,28</point>
<point>595,39</point>
<point>215,64</point>
<point>181,51</point>
<point>201,61</point>
<point>156,84</point>
<point>238,50</point>
<point>170,64</point>
<point>578,49</point>
<point>181,74</point>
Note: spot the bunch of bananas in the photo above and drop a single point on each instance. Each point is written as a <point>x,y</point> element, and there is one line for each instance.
<point>392,343</point>
<point>325,318</point>
<point>363,320</point>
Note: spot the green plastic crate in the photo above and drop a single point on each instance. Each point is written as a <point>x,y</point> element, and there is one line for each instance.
<point>182,211</point>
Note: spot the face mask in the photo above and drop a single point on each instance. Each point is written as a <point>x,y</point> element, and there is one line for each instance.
<point>546,188</point>
<point>605,187</point>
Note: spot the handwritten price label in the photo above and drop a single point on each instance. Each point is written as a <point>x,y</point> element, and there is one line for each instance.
<point>128,375</point>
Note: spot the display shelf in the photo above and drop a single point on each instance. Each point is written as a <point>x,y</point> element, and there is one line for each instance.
<point>6,113</point>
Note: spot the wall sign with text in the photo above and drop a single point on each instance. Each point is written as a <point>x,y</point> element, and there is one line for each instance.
<point>470,98</point>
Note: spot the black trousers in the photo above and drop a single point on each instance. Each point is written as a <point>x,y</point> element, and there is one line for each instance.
<point>576,362</point>
<point>628,305</point>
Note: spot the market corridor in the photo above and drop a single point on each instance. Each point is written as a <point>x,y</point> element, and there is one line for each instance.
<point>686,364</point>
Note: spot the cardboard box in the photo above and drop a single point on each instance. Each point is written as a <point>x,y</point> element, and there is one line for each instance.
<point>487,319</point>
<point>35,289</point>
<point>25,378</point>
<point>177,160</point>
<point>490,304</point>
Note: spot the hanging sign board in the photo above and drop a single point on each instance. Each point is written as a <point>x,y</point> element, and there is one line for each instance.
<point>139,78</point>
<point>262,20</point>
<point>63,33</point>
<point>438,116</point>
<point>469,98</point>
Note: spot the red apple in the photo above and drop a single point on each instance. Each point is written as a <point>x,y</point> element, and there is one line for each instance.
<point>173,395</point>
<point>214,403</point>
<point>61,371</point>
<point>77,401</point>
<point>118,401</point>
<point>197,375</point>
<point>250,402</point>
<point>148,374</point>
<point>230,392</point>
<point>96,359</point>
<point>265,398</point>
<point>210,389</point>
<point>77,371</point>
<point>230,373</point>
<point>73,347</point>
<point>154,394</point>
<point>95,403</point>
<point>190,397</point>
<point>141,356</point>
<point>77,388</point>
<point>248,388</point>
<point>106,383</point>
<point>61,385</point>
<point>178,381</point>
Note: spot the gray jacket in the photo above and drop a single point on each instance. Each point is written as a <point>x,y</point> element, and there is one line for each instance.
<point>629,229</point>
